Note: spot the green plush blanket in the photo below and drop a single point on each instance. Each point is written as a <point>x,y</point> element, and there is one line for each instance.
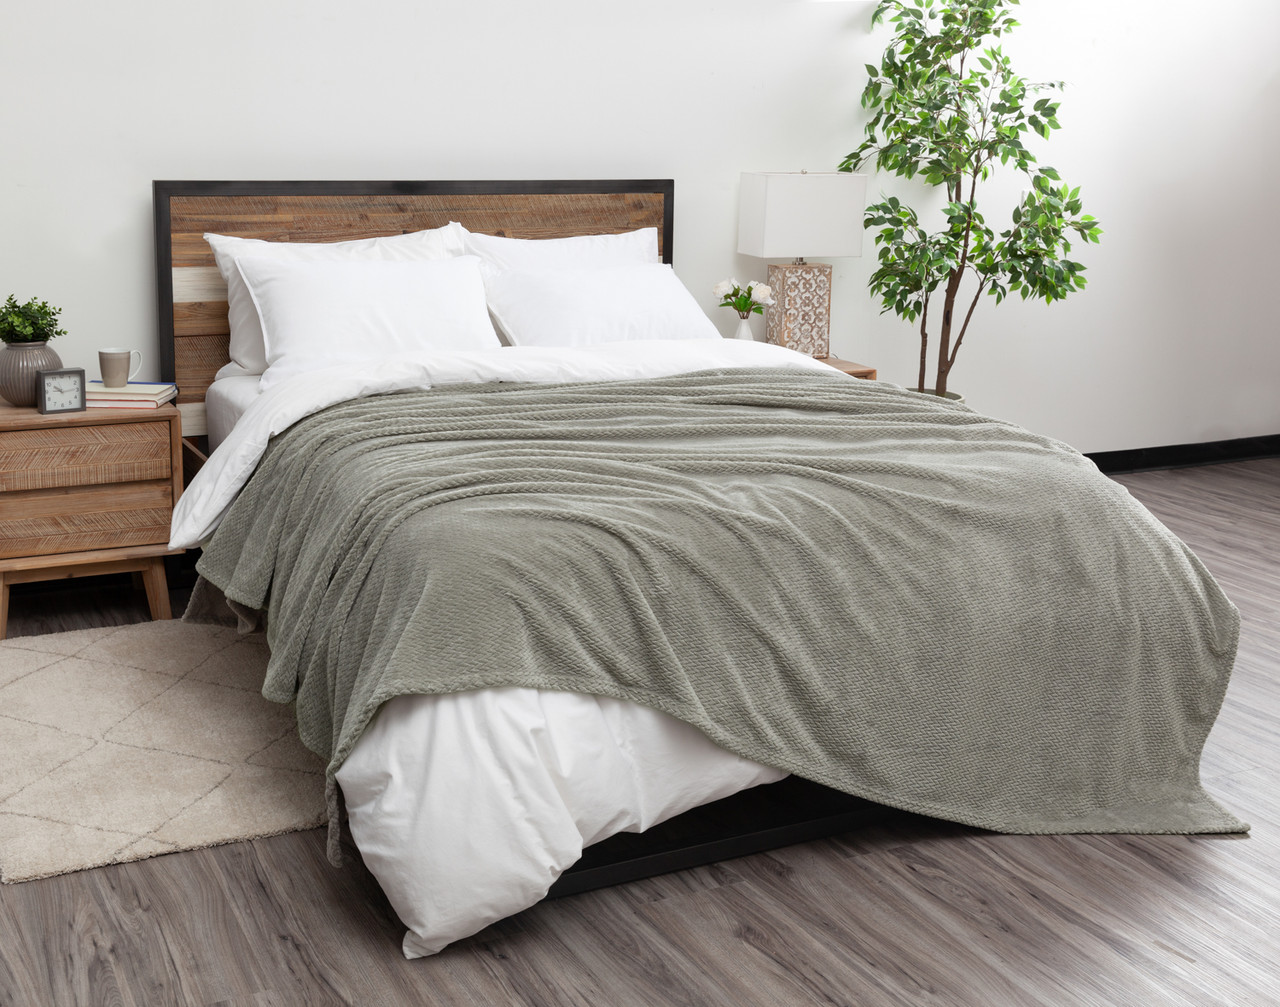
<point>875,589</point>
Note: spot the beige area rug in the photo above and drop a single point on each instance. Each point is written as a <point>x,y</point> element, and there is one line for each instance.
<point>132,741</point>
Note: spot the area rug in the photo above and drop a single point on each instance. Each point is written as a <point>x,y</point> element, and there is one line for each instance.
<point>128,742</point>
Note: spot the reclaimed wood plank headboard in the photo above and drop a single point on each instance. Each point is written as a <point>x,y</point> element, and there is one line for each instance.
<point>192,298</point>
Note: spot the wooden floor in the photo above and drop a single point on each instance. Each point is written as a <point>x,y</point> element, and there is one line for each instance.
<point>913,911</point>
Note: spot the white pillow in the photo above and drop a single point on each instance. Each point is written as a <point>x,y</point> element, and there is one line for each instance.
<point>247,353</point>
<point>318,314</point>
<point>588,251</point>
<point>583,307</point>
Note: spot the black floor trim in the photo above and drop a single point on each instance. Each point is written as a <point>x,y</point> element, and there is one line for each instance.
<point>1179,455</point>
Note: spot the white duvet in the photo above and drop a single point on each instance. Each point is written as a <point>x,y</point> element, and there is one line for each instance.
<point>467,807</point>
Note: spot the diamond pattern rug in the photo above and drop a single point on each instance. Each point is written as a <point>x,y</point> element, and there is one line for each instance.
<point>132,741</point>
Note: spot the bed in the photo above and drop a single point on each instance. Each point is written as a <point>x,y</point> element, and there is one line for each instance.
<point>708,484</point>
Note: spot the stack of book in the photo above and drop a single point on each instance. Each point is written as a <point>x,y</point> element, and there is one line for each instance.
<point>134,395</point>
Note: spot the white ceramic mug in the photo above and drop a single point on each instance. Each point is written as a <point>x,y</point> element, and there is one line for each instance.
<point>117,366</point>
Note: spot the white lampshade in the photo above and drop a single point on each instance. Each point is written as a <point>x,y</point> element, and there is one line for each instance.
<point>790,215</point>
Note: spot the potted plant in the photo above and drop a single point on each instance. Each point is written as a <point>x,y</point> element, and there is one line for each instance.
<point>26,329</point>
<point>946,111</point>
<point>746,301</point>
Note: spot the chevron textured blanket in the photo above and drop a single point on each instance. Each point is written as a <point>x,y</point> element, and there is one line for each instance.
<point>887,593</point>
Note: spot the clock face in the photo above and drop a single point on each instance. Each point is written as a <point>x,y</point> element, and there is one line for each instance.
<point>63,391</point>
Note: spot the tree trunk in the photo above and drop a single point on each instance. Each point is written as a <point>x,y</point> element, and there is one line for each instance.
<point>924,343</point>
<point>944,337</point>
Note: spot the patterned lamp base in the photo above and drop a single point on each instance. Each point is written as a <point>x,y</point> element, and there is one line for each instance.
<point>801,314</point>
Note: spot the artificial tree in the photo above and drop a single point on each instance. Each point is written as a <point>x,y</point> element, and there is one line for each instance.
<point>945,109</point>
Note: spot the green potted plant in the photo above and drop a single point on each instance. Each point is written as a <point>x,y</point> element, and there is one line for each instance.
<point>746,301</point>
<point>945,110</point>
<point>26,329</point>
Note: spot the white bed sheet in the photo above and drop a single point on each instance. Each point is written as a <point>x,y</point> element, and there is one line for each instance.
<point>467,807</point>
<point>225,401</point>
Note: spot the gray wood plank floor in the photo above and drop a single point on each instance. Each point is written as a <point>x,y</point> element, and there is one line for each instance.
<point>910,911</point>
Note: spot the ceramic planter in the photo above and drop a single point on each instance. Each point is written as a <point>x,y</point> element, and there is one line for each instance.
<point>18,365</point>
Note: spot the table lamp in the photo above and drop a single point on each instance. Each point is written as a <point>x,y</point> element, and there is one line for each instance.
<point>788,215</point>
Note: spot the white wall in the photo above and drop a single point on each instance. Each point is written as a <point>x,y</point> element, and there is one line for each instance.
<point>1168,127</point>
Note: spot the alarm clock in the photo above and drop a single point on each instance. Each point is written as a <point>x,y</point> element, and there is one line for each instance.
<point>61,390</point>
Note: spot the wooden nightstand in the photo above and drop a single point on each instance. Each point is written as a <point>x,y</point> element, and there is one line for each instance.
<point>849,367</point>
<point>88,493</point>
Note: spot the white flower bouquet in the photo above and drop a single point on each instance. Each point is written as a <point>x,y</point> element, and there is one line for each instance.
<point>746,301</point>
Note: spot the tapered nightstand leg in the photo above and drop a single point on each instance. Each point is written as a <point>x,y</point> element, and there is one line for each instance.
<point>153,580</point>
<point>4,606</point>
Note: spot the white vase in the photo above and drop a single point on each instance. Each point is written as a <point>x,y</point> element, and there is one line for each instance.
<point>744,330</point>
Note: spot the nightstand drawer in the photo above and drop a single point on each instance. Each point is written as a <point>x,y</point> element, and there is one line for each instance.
<point>84,455</point>
<point>88,493</point>
<point>82,518</point>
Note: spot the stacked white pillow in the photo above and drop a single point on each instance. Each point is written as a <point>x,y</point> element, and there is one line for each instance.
<point>297,306</point>
<point>324,314</point>
<point>582,252</point>
<point>586,290</point>
<point>248,351</point>
<point>585,307</point>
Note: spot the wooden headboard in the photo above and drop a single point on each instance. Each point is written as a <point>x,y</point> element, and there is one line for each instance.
<point>192,299</point>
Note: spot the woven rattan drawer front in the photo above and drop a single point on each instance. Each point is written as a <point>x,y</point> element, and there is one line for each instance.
<point>75,519</point>
<point>84,455</point>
